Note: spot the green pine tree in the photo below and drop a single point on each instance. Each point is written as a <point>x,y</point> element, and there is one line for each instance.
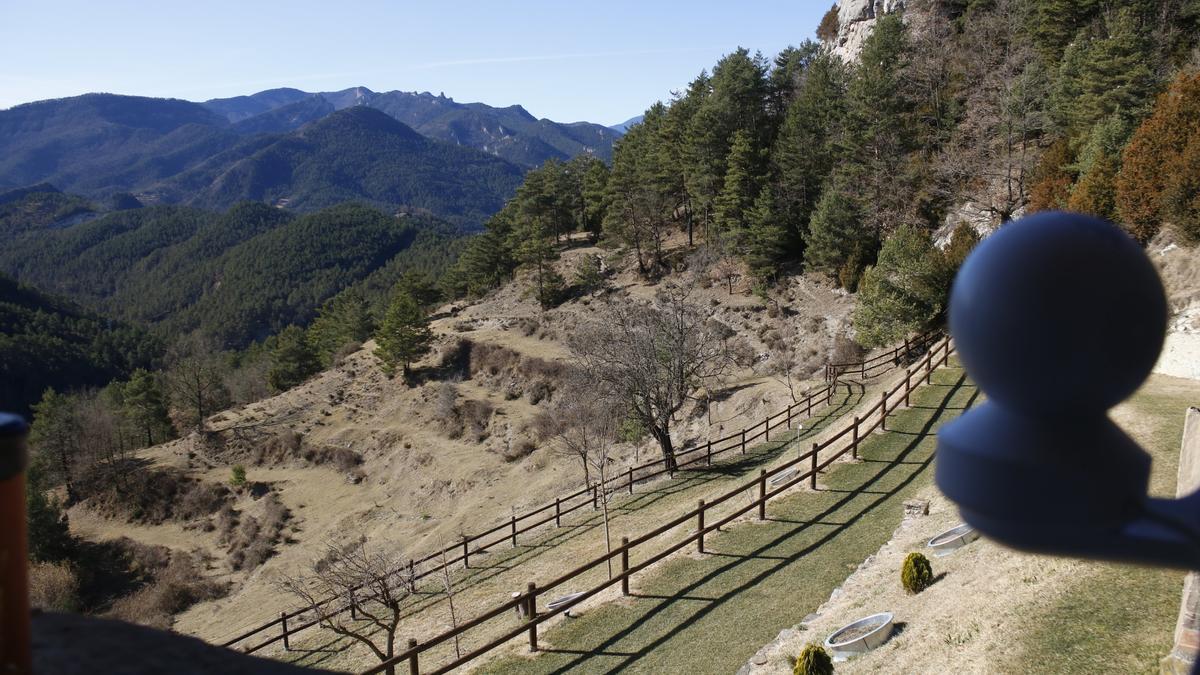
<point>146,406</point>
<point>905,292</point>
<point>344,319</point>
<point>403,336</point>
<point>805,152</point>
<point>50,538</point>
<point>838,231</point>
<point>293,360</point>
<point>54,440</point>
<point>766,240</point>
<point>736,200</point>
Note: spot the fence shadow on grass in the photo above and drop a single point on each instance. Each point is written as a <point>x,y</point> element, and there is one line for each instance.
<point>780,562</point>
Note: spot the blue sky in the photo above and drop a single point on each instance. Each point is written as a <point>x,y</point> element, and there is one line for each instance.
<point>566,60</point>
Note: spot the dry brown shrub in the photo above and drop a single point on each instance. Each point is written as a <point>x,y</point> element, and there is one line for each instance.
<point>344,352</point>
<point>846,350</point>
<point>202,500</point>
<point>53,587</point>
<point>343,459</point>
<point>177,586</point>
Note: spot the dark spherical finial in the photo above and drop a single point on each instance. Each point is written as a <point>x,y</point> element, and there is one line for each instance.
<point>1058,313</point>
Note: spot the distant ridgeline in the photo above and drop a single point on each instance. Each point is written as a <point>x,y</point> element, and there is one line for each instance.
<point>298,149</point>
<point>238,275</point>
<point>306,154</point>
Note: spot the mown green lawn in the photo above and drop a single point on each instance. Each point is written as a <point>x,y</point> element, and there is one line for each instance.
<point>710,614</point>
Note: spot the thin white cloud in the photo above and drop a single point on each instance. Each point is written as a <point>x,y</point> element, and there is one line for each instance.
<point>487,60</point>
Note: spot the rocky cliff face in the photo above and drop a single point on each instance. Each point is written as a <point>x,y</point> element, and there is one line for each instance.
<point>856,18</point>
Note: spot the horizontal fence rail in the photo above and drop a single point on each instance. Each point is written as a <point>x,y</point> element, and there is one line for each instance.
<point>507,532</point>
<point>805,467</point>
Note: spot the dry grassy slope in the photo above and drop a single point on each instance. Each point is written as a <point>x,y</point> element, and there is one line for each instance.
<point>421,489</point>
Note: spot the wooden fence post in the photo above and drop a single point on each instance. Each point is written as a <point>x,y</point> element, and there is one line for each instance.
<point>743,441</point>
<point>558,508</point>
<point>883,411</point>
<point>531,614</point>
<point>595,497</point>
<point>412,575</point>
<point>708,454</point>
<point>812,479</point>
<point>624,565</point>
<point>514,530</point>
<point>631,480</point>
<point>829,392</point>
<point>466,553</point>
<point>287,647</point>
<point>862,370</point>
<point>767,429</point>
<point>762,494</point>
<point>907,386</point>
<point>700,526</point>
<point>789,416</point>
<point>808,412</point>
<point>353,607</point>
<point>414,667</point>
<point>854,439</point>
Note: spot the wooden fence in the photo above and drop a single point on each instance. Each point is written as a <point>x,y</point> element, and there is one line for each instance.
<point>808,465</point>
<point>507,532</point>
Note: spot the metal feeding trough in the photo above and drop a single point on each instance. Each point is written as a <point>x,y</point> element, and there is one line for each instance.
<point>784,477</point>
<point>564,600</point>
<point>953,539</point>
<point>860,636</point>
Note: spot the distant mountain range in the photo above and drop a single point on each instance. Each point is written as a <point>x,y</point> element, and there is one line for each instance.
<point>416,152</point>
<point>623,127</point>
<point>510,133</point>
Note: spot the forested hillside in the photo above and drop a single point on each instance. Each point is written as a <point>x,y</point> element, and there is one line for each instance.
<point>48,342</point>
<point>238,276</point>
<point>354,154</point>
<point>957,117</point>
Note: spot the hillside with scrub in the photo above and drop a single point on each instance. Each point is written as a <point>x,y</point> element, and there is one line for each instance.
<point>354,438</point>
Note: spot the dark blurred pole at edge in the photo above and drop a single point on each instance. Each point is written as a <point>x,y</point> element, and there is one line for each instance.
<point>15,636</point>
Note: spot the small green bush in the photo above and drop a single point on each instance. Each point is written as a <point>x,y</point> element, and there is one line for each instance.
<point>237,476</point>
<point>814,660</point>
<point>917,573</point>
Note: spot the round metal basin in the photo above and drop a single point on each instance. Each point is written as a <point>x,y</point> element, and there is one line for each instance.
<point>784,477</point>
<point>564,600</point>
<point>953,539</point>
<point>860,636</point>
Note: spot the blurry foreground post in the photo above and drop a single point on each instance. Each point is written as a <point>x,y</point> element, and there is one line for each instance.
<point>14,579</point>
<point>1057,318</point>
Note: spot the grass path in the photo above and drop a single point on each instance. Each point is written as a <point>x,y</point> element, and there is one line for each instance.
<point>710,613</point>
<point>538,557</point>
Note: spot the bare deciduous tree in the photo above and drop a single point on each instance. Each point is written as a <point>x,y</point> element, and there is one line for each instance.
<point>585,422</point>
<point>653,356</point>
<point>196,378</point>
<point>448,589</point>
<point>785,363</point>
<point>992,156</point>
<point>365,589</point>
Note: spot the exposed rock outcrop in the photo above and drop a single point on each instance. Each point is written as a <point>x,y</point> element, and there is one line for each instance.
<point>856,18</point>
